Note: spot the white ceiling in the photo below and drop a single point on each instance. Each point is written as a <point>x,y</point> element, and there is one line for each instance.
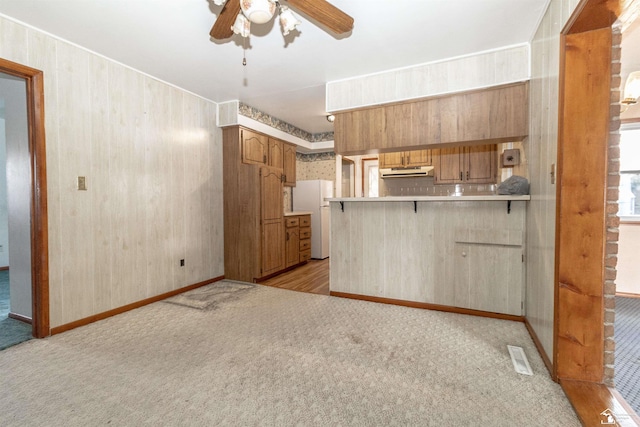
<point>169,39</point>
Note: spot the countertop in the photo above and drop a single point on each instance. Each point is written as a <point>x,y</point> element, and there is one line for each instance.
<point>486,197</point>
<point>294,213</point>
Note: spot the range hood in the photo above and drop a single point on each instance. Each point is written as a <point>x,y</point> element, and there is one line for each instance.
<point>417,171</point>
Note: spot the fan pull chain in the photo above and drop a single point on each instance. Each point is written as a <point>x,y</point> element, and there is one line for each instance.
<point>244,51</point>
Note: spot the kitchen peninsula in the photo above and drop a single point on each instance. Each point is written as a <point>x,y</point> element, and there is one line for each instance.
<point>454,252</point>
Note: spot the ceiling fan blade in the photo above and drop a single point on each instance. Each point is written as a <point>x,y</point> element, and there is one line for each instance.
<point>325,13</point>
<point>222,28</point>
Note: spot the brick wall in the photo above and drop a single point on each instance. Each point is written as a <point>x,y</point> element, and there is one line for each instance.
<point>612,222</point>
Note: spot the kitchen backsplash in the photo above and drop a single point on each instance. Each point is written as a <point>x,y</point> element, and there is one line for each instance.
<point>426,187</point>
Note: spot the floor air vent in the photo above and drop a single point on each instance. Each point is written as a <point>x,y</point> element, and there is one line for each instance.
<point>519,359</point>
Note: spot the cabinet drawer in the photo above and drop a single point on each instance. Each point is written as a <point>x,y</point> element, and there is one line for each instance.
<point>305,233</point>
<point>305,256</point>
<point>291,222</point>
<point>305,221</point>
<point>305,244</point>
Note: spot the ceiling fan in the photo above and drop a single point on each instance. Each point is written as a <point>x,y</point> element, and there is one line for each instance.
<point>236,15</point>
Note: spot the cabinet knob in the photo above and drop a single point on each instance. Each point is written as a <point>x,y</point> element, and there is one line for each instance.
<point>464,254</point>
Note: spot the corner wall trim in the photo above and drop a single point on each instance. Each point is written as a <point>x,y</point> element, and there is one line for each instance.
<point>128,307</point>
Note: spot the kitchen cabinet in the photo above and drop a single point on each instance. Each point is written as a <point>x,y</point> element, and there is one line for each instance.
<point>489,272</point>
<point>297,239</point>
<point>289,165</point>
<point>305,238</point>
<point>255,147</point>
<point>400,159</point>
<point>272,221</point>
<point>253,208</point>
<point>292,241</point>
<point>260,149</point>
<point>276,153</point>
<point>492,115</point>
<point>474,164</point>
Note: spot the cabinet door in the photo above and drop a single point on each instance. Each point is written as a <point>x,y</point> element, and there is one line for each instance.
<point>489,277</point>
<point>289,165</point>
<point>417,158</point>
<point>276,153</point>
<point>292,244</point>
<point>480,163</point>
<point>391,160</point>
<point>272,221</point>
<point>254,147</point>
<point>448,165</point>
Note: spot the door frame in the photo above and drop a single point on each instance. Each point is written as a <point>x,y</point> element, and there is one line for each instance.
<point>39,221</point>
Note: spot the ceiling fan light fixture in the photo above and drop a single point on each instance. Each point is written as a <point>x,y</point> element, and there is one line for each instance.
<point>258,11</point>
<point>288,20</point>
<point>632,89</point>
<point>242,26</point>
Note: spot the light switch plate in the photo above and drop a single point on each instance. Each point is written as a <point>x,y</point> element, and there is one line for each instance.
<point>82,183</point>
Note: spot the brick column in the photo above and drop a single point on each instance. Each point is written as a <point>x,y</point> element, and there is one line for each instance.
<point>612,221</point>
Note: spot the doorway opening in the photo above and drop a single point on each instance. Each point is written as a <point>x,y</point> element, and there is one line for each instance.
<point>36,201</point>
<point>15,244</point>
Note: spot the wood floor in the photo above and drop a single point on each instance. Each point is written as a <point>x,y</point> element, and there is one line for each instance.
<point>312,277</point>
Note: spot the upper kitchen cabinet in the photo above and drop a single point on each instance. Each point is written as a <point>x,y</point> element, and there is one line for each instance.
<point>289,165</point>
<point>493,115</point>
<point>261,149</point>
<point>255,147</point>
<point>276,153</point>
<point>356,129</point>
<point>474,164</point>
<point>399,159</point>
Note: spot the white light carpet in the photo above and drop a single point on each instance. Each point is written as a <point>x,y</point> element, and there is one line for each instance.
<point>254,355</point>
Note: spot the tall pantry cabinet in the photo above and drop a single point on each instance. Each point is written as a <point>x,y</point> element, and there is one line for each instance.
<point>253,205</point>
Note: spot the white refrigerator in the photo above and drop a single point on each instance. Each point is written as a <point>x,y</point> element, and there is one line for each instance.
<point>310,196</point>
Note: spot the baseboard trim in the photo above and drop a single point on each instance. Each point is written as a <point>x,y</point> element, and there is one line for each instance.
<point>538,344</point>
<point>132,306</point>
<point>20,317</point>
<point>428,306</point>
<point>627,295</point>
<point>591,400</point>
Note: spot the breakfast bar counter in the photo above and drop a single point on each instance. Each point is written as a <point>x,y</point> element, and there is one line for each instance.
<point>465,252</point>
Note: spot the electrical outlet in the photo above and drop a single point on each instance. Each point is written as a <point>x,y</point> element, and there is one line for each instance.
<point>511,157</point>
<point>181,263</point>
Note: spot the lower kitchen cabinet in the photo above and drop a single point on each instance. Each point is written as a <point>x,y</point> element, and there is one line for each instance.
<point>297,239</point>
<point>489,273</point>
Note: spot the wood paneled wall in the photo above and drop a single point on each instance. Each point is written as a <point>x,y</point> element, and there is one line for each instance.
<point>481,70</point>
<point>541,152</point>
<point>433,254</point>
<point>152,158</point>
